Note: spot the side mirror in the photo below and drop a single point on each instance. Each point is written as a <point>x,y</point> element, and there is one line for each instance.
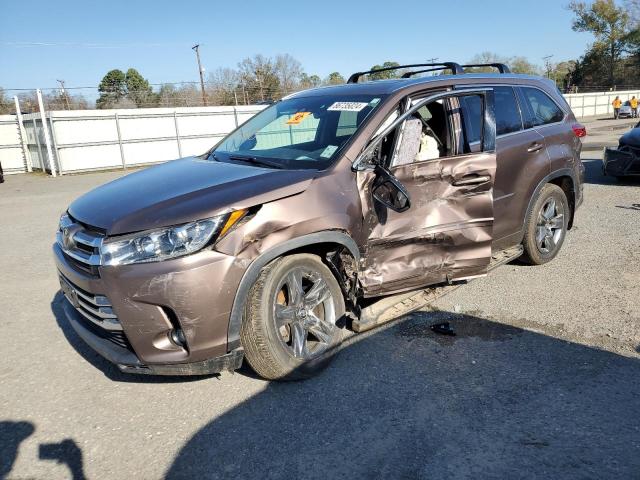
<point>389,191</point>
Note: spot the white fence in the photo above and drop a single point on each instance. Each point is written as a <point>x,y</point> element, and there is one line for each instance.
<point>11,153</point>
<point>84,140</point>
<point>597,103</point>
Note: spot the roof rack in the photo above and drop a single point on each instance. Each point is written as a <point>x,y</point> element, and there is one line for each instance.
<point>416,72</point>
<point>502,68</point>
<point>455,68</point>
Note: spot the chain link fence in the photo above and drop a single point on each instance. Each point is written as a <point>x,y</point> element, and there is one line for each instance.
<point>165,95</point>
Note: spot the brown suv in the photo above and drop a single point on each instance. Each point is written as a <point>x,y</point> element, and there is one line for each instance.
<point>267,245</point>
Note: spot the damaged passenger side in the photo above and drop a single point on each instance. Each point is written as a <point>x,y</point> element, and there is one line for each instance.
<point>424,156</point>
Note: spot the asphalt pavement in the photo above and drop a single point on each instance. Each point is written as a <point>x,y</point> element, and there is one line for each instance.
<point>541,380</point>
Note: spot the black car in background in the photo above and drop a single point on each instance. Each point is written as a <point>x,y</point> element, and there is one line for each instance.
<point>624,161</point>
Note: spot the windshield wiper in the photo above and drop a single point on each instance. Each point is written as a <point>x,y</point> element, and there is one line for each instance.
<point>256,161</point>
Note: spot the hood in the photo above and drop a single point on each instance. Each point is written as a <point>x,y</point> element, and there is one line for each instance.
<point>182,191</point>
<point>631,138</point>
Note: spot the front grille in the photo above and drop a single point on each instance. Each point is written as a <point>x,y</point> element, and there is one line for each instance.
<point>96,313</point>
<point>80,244</point>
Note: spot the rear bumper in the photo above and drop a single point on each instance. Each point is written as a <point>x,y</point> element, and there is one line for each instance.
<point>620,163</point>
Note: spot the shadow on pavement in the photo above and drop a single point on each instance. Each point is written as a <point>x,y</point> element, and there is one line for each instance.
<point>110,370</point>
<point>12,434</point>
<point>494,401</point>
<point>65,452</point>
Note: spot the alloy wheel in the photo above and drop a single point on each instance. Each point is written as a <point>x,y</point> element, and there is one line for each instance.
<point>304,313</point>
<point>550,226</point>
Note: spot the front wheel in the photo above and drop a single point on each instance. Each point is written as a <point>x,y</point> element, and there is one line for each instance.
<point>546,225</point>
<point>289,330</point>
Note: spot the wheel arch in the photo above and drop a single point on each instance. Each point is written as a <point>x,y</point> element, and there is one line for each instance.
<point>318,243</point>
<point>564,178</point>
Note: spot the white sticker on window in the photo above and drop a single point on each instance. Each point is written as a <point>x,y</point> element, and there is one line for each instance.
<point>327,152</point>
<point>347,106</point>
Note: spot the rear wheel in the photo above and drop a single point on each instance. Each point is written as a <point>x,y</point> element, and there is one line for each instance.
<point>289,329</point>
<point>546,225</point>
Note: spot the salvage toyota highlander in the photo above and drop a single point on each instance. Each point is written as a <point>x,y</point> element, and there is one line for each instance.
<point>270,244</point>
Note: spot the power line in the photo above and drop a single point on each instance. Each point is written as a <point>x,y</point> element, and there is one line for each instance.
<point>90,45</point>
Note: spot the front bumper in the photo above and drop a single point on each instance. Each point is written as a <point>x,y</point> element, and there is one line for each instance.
<point>619,163</point>
<point>194,294</point>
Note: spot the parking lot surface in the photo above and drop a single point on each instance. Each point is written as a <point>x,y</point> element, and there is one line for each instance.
<point>540,381</point>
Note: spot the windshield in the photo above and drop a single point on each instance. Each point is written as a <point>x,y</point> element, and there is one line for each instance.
<point>298,133</point>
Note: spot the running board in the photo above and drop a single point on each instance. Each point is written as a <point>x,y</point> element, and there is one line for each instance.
<point>395,306</point>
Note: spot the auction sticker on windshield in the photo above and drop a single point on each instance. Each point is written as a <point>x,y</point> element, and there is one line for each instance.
<point>347,106</point>
<point>327,152</point>
<point>297,118</point>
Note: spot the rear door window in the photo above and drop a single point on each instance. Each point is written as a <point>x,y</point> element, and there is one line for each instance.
<point>508,118</point>
<point>542,109</point>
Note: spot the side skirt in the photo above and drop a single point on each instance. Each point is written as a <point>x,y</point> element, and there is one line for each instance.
<point>395,306</point>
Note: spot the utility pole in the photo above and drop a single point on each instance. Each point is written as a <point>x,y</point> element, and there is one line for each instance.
<point>64,93</point>
<point>432,60</point>
<point>204,95</point>
<point>547,62</point>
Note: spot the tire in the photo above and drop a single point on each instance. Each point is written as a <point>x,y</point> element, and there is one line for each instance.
<point>546,225</point>
<point>286,337</point>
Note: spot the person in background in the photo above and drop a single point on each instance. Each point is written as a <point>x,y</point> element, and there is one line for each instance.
<point>634,106</point>
<point>617,103</point>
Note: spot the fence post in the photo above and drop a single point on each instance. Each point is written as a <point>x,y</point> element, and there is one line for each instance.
<point>175,123</point>
<point>124,165</point>
<point>45,131</point>
<point>56,150</point>
<point>235,116</point>
<point>23,137</point>
<point>35,134</point>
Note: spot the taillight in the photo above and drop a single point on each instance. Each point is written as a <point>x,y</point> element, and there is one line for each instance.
<point>580,130</point>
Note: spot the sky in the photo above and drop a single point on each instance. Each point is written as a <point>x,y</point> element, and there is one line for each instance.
<point>82,40</point>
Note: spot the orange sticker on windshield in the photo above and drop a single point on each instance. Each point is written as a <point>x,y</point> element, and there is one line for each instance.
<point>298,117</point>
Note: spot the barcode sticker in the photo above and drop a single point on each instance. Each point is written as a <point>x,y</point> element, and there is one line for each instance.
<point>347,106</point>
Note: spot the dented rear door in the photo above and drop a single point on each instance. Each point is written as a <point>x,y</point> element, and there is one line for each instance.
<point>447,232</point>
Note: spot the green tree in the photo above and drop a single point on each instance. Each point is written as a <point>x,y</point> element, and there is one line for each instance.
<point>112,88</point>
<point>334,78</point>
<point>138,89</point>
<point>522,65</point>
<point>517,64</point>
<point>609,24</point>
<point>387,74</point>
<point>259,78</point>
<point>309,81</point>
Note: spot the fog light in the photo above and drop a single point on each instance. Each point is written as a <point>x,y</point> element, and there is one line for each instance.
<point>177,337</point>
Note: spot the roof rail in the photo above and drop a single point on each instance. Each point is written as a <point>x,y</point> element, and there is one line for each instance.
<point>502,68</point>
<point>455,68</point>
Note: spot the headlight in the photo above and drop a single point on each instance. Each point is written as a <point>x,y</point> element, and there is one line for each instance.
<point>166,243</point>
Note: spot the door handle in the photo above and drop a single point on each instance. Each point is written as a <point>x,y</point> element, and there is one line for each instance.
<point>471,180</point>
<point>535,147</point>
